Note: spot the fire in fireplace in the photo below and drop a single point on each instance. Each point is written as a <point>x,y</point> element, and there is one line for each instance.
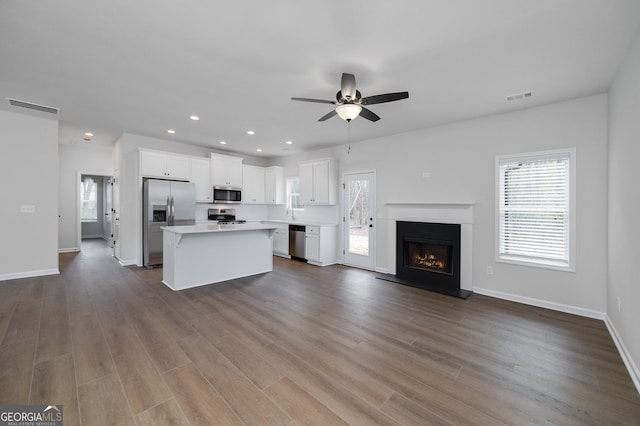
<point>431,257</point>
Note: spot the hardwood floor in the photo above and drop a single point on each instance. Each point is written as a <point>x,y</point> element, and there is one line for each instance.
<point>300,345</point>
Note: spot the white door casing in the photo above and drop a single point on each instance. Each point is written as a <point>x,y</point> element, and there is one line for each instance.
<point>359,219</point>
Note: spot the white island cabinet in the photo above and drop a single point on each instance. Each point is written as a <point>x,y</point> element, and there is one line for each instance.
<point>205,254</point>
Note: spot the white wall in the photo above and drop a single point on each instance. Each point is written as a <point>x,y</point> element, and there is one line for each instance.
<point>28,176</point>
<point>624,206</point>
<point>86,159</point>
<point>461,159</point>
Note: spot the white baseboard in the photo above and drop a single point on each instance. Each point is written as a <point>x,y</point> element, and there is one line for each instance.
<point>29,274</point>
<point>127,262</point>
<point>634,372</point>
<point>311,262</point>
<point>589,313</point>
<point>382,270</point>
<point>69,250</point>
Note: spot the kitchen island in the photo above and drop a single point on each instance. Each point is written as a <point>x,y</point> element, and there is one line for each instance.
<point>198,255</point>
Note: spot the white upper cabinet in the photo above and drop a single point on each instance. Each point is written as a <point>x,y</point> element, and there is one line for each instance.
<point>274,185</point>
<point>201,176</point>
<point>253,184</point>
<point>319,182</point>
<point>167,166</point>
<point>226,170</point>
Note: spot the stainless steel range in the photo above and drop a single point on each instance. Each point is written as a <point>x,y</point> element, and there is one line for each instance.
<point>224,216</point>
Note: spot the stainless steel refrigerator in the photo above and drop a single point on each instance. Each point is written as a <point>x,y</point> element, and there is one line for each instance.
<point>164,203</point>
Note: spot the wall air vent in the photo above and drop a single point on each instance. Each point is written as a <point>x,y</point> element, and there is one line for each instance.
<point>36,107</point>
<point>519,96</point>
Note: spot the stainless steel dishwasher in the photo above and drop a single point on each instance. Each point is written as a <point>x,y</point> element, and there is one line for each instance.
<point>297,242</point>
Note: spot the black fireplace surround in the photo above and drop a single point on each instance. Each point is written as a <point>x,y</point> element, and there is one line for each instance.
<point>428,257</point>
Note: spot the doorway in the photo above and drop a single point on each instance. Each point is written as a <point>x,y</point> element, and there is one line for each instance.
<point>359,215</point>
<point>95,208</point>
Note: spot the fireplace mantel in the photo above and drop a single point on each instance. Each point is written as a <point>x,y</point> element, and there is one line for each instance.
<point>431,212</point>
<point>460,213</point>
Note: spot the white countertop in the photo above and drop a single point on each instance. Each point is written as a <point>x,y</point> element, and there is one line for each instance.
<point>284,222</point>
<point>299,222</point>
<point>208,228</point>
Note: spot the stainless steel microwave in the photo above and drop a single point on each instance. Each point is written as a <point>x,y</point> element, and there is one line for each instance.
<point>227,195</point>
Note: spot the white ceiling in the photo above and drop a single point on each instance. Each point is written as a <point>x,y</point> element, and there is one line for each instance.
<point>144,66</point>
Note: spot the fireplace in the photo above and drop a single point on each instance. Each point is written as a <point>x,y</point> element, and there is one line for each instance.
<point>428,256</point>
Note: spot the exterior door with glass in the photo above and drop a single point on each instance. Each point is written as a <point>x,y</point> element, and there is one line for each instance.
<point>359,220</point>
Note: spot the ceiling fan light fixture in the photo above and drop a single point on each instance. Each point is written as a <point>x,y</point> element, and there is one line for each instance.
<point>348,111</point>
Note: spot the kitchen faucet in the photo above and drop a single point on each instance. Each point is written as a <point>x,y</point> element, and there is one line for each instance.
<point>293,216</point>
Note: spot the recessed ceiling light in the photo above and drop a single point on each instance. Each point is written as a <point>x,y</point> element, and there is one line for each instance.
<point>88,134</point>
<point>194,117</point>
<point>223,143</point>
<point>173,132</point>
<point>289,143</point>
<point>259,149</point>
<point>251,132</point>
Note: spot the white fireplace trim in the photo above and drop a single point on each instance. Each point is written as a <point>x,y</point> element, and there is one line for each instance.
<point>458,213</point>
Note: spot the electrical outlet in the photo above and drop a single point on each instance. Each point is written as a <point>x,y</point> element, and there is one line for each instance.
<point>618,303</point>
<point>426,174</point>
<point>489,270</point>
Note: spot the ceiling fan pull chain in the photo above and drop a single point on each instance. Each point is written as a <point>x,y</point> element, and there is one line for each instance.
<point>348,137</point>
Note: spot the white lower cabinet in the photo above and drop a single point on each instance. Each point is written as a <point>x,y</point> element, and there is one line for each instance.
<point>321,244</point>
<point>281,241</point>
<point>280,238</point>
<point>312,243</point>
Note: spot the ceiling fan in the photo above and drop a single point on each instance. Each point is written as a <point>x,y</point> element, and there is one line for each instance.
<point>350,104</point>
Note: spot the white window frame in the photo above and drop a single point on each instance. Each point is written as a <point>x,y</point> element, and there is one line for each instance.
<point>569,266</point>
<point>289,194</point>
<point>83,201</point>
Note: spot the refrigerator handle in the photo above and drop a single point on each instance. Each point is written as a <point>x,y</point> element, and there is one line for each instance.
<point>173,212</point>
<point>169,211</point>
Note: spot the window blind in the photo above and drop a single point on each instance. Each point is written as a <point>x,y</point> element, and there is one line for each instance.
<point>534,208</point>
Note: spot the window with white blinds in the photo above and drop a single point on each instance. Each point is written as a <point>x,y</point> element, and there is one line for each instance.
<point>535,208</point>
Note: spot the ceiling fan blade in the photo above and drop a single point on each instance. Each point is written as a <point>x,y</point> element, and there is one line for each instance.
<point>369,115</point>
<point>328,115</point>
<point>348,86</point>
<point>387,97</point>
<point>320,101</point>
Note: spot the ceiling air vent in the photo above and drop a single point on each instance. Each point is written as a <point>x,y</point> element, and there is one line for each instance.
<point>519,96</point>
<point>36,107</point>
